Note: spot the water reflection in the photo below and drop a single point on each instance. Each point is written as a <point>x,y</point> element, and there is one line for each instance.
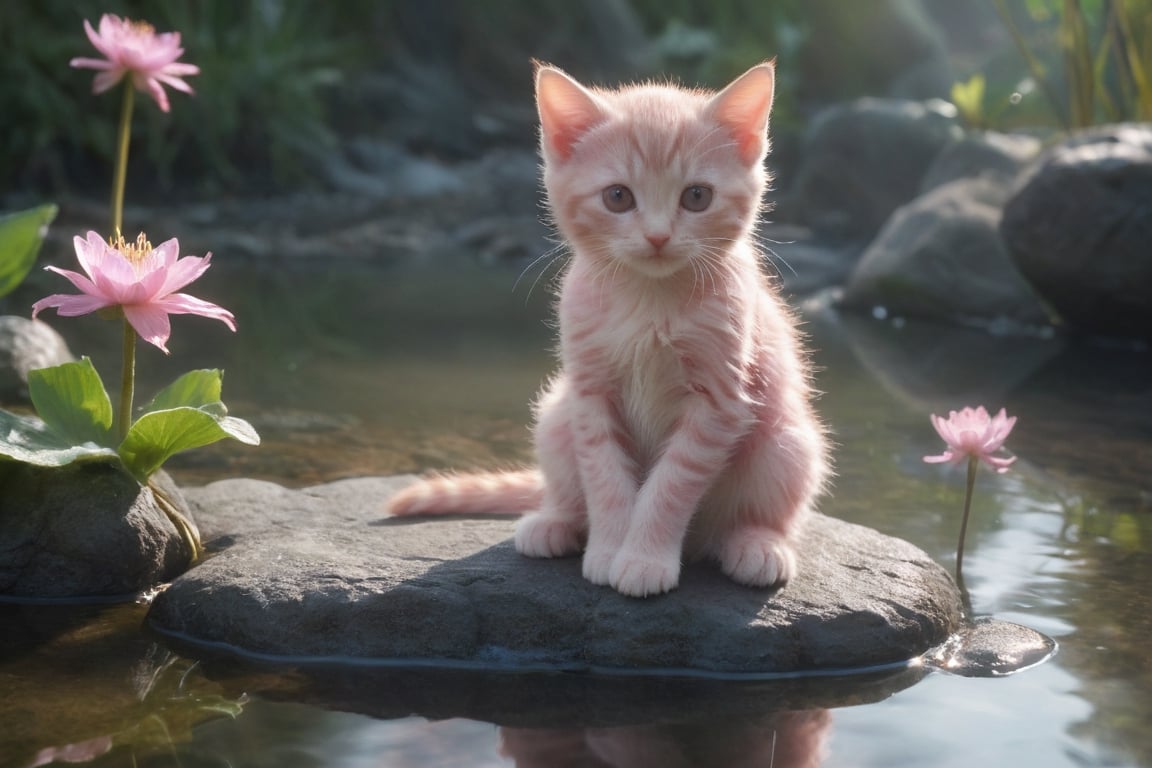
<point>80,683</point>
<point>376,374</point>
<point>784,740</point>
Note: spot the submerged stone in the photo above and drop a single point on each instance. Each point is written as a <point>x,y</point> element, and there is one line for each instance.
<point>988,647</point>
<point>318,573</point>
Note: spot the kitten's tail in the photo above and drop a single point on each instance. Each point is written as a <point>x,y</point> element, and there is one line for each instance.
<point>495,492</point>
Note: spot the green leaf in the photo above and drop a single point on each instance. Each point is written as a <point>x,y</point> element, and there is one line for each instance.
<point>32,442</point>
<point>1041,10</point>
<point>20,237</point>
<point>969,100</point>
<point>194,389</point>
<point>71,400</point>
<point>158,435</point>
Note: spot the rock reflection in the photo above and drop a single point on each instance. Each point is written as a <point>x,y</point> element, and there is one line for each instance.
<point>936,367</point>
<point>78,683</point>
<point>783,740</point>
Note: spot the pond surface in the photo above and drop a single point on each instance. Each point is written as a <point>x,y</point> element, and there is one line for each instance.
<point>375,373</point>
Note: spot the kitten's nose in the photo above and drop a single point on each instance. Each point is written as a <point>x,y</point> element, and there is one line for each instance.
<point>657,240</point>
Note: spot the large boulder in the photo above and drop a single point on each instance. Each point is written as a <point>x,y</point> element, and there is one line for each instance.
<point>863,160</point>
<point>1080,226</point>
<point>84,530</point>
<point>319,573</point>
<point>940,257</point>
<point>982,153</point>
<point>26,345</point>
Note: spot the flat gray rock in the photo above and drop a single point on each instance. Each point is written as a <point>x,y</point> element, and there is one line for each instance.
<point>319,573</point>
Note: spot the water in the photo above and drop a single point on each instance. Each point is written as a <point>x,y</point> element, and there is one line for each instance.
<point>381,372</point>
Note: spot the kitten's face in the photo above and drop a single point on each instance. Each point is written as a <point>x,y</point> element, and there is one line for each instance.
<point>654,178</point>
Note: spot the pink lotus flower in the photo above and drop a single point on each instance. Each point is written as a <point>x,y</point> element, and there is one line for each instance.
<point>133,48</point>
<point>140,280</point>
<point>973,434</point>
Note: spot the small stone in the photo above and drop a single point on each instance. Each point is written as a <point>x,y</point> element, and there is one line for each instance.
<point>26,345</point>
<point>318,573</point>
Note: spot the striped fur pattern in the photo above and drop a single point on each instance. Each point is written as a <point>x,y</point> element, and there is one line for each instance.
<point>680,423</point>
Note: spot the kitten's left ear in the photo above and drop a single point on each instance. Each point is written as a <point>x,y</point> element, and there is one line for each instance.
<point>743,108</point>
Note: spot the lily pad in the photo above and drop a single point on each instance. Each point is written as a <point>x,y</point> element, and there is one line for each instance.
<point>31,441</point>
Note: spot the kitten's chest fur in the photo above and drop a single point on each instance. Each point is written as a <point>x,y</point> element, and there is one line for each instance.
<point>652,388</point>
<point>640,348</point>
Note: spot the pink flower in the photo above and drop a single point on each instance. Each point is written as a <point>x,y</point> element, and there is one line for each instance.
<point>140,280</point>
<point>133,48</point>
<point>972,433</point>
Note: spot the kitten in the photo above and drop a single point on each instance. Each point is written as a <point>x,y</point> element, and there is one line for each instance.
<point>680,421</point>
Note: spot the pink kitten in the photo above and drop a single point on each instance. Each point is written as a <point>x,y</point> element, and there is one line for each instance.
<point>680,422</point>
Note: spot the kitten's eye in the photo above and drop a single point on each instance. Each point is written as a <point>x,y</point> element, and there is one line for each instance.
<point>618,198</point>
<point>696,198</point>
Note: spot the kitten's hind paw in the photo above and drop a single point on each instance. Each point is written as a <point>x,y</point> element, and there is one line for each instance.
<point>758,557</point>
<point>642,576</point>
<point>539,535</point>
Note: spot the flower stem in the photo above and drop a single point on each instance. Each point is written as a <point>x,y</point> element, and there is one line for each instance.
<point>127,379</point>
<point>187,529</point>
<point>972,464</point>
<point>119,180</point>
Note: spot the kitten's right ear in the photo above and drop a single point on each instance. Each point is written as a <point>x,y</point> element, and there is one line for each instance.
<point>567,110</point>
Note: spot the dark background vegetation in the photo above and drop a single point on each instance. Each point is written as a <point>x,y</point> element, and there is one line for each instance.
<point>284,81</point>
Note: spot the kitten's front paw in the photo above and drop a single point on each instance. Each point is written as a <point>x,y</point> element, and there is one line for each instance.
<point>598,564</point>
<point>758,558</point>
<point>540,535</point>
<point>642,576</point>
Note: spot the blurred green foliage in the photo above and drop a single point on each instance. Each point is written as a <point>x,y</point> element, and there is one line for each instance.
<point>712,43</point>
<point>282,80</point>
<point>21,235</point>
<point>1091,59</point>
<point>260,99</point>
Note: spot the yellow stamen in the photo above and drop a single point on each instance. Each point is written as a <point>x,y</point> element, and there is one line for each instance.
<point>134,252</point>
<point>141,27</point>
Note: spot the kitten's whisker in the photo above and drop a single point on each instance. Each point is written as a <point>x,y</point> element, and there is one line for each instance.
<point>548,256</point>
<point>772,257</point>
<point>559,253</point>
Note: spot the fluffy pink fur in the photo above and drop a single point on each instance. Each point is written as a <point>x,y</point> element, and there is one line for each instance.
<point>680,422</point>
